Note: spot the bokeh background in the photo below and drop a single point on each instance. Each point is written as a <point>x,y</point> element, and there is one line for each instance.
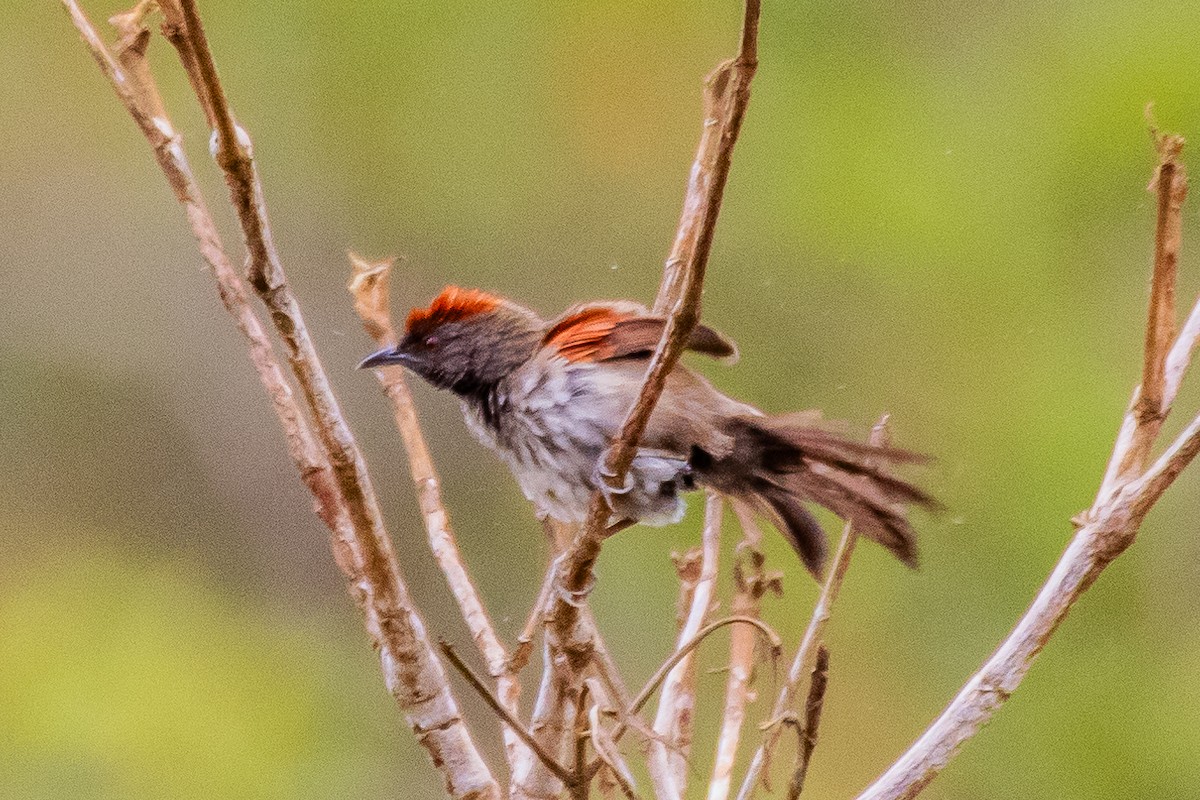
<point>937,209</point>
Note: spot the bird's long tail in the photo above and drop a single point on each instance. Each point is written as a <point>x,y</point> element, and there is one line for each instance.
<point>780,464</point>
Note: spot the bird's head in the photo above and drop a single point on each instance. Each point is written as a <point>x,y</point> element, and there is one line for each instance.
<point>465,341</point>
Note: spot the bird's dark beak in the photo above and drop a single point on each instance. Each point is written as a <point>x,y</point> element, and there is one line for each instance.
<point>385,357</point>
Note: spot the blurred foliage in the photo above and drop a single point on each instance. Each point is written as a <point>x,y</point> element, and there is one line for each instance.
<point>936,209</point>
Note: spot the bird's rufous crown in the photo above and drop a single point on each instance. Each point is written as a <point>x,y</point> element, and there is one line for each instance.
<point>454,303</point>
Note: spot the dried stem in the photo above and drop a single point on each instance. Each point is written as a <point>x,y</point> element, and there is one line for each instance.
<point>609,757</point>
<point>337,476</point>
<point>751,582</point>
<point>141,99</point>
<point>805,658</point>
<point>370,286</point>
<point>676,705</point>
<point>1153,398</point>
<point>580,784</point>
<point>726,98</point>
<point>812,721</point>
<point>727,94</point>
<point>552,717</point>
<point>497,705</point>
<point>549,714</point>
<point>765,630</point>
<point>1104,532</point>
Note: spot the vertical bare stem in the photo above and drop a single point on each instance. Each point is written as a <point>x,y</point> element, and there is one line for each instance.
<point>812,721</point>
<point>727,94</point>
<point>677,700</point>
<point>1153,398</point>
<point>750,584</point>
<point>370,288</point>
<point>552,718</point>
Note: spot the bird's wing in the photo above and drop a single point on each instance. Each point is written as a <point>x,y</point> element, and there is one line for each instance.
<point>604,332</point>
<point>688,414</point>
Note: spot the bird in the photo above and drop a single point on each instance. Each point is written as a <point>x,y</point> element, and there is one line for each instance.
<point>549,397</point>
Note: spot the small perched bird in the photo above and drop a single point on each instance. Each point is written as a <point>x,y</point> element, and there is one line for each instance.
<point>550,397</point>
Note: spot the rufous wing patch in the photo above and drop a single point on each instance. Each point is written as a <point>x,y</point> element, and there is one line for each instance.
<point>454,303</point>
<point>642,335</point>
<point>583,335</point>
<point>600,333</point>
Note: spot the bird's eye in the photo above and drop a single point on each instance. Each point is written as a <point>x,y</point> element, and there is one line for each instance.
<point>431,341</point>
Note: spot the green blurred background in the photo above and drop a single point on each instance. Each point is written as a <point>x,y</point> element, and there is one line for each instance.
<point>937,209</point>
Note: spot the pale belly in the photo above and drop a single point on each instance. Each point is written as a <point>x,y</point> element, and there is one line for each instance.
<point>555,466</point>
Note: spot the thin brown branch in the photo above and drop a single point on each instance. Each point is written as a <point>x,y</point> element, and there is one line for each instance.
<point>671,744</point>
<point>726,98</point>
<point>411,670</point>
<point>580,784</point>
<point>535,620</point>
<point>370,288</point>
<point>751,582</point>
<point>608,755</point>
<point>603,664</point>
<point>559,536</point>
<point>552,717</point>
<point>551,709</point>
<point>141,99</point>
<point>1163,472</point>
<point>206,82</point>
<point>805,658</point>
<point>1151,405</point>
<point>1170,185</point>
<point>497,705</point>
<point>1103,532</point>
<point>812,721</point>
<point>765,630</point>
<point>727,94</point>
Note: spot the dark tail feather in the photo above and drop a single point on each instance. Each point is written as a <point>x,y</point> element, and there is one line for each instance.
<point>797,523</point>
<point>780,463</point>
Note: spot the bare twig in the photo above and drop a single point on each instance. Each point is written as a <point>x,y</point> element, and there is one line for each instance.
<point>552,717</point>
<point>751,582</point>
<point>609,757</point>
<point>767,632</point>
<point>727,94</point>
<point>805,658</point>
<point>1153,398</point>
<point>677,701</point>
<point>1180,357</point>
<point>335,477</point>
<point>550,714</point>
<point>580,784</point>
<point>1170,185</point>
<point>511,722</point>
<point>1104,532</point>
<point>369,286</point>
<point>603,664</point>
<point>726,98</point>
<point>812,721</point>
<point>141,99</point>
